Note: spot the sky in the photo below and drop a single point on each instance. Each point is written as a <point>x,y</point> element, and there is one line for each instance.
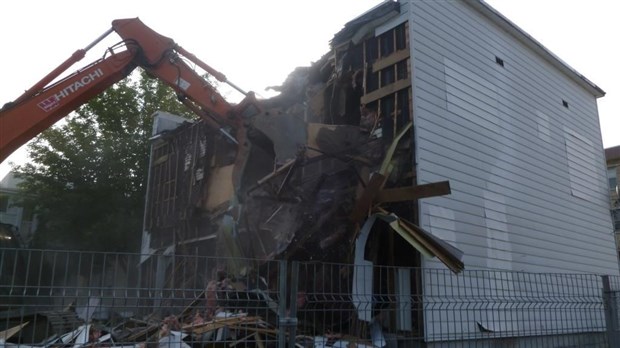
<point>256,44</point>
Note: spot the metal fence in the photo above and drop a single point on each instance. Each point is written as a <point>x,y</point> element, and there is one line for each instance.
<point>61,298</point>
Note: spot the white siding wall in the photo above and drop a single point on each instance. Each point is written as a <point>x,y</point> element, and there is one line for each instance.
<point>527,174</point>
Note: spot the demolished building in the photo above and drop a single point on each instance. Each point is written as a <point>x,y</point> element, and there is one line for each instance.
<point>433,134</point>
<point>321,156</point>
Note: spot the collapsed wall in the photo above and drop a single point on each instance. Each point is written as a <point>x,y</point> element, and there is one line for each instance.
<point>325,172</point>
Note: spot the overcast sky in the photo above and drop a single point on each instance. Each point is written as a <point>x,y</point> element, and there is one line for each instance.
<point>258,43</point>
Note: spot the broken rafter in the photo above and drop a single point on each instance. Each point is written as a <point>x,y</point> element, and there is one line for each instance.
<point>386,164</point>
<point>363,204</point>
<point>6,334</point>
<point>425,242</point>
<point>273,174</point>
<point>377,180</point>
<point>390,60</point>
<point>286,179</point>
<point>445,252</point>
<point>342,157</point>
<point>223,322</point>
<point>386,90</point>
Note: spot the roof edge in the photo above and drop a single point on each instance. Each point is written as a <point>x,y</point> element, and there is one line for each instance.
<point>612,153</point>
<point>535,45</point>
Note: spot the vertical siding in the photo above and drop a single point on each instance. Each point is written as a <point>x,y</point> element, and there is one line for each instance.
<point>527,173</point>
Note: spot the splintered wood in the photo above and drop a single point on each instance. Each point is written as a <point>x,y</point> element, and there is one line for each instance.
<point>240,322</point>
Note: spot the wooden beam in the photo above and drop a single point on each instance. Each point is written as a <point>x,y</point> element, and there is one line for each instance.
<point>445,252</point>
<point>426,243</point>
<point>363,204</point>
<point>414,192</point>
<point>6,334</point>
<point>392,59</point>
<point>385,90</point>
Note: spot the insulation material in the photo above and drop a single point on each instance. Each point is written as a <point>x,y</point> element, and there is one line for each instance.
<point>220,187</point>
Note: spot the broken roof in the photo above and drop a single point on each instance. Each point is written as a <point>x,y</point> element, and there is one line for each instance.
<point>379,12</point>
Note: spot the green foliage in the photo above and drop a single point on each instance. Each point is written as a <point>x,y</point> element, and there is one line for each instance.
<point>87,174</point>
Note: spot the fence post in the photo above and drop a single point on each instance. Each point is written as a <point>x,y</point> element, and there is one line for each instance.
<point>282,277</point>
<point>291,319</point>
<point>611,313</point>
<point>287,323</point>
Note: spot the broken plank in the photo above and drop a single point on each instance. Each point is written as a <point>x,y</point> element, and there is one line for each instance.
<point>259,340</point>
<point>426,243</point>
<point>273,332</point>
<point>277,172</point>
<point>387,159</point>
<point>360,211</point>
<point>385,90</point>
<point>413,192</point>
<point>142,332</point>
<point>241,340</point>
<point>219,323</point>
<point>448,254</point>
<point>6,334</point>
<point>390,60</point>
<point>193,304</point>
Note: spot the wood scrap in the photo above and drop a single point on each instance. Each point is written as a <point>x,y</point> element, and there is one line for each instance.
<point>259,340</point>
<point>363,204</point>
<point>143,333</point>
<point>6,334</point>
<point>219,323</point>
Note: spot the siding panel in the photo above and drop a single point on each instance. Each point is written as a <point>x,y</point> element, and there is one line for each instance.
<point>472,139</point>
<point>530,72</point>
<point>527,174</point>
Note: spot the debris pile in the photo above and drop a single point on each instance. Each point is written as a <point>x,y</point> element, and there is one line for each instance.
<point>232,329</point>
<point>203,323</point>
<point>324,172</point>
<point>311,168</point>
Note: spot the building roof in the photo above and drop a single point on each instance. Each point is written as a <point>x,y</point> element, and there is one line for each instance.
<point>390,7</point>
<point>612,153</point>
<point>10,182</point>
<point>384,9</point>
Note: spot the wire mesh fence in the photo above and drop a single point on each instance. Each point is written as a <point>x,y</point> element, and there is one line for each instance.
<point>60,298</point>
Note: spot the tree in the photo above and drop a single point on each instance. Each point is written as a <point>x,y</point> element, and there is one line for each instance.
<point>87,174</point>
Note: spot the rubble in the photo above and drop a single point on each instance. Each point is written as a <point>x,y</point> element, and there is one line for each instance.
<point>327,163</point>
<point>184,330</point>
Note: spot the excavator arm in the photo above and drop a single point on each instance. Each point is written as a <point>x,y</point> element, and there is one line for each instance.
<point>44,104</point>
<point>24,119</point>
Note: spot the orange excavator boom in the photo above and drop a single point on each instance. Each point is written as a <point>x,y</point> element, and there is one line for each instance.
<point>44,104</point>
